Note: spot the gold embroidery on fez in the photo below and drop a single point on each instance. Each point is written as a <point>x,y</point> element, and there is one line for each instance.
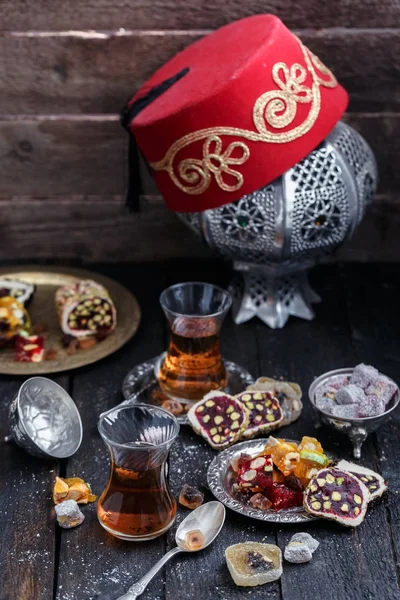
<point>276,108</point>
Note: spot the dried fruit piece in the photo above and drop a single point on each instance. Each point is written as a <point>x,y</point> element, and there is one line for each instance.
<point>373,481</point>
<point>78,490</point>
<point>29,348</point>
<point>235,416</point>
<point>85,309</point>
<point>69,515</point>
<point>310,443</point>
<point>264,410</point>
<point>190,497</point>
<point>287,393</point>
<point>51,354</point>
<point>172,406</point>
<point>87,343</point>
<point>341,510</point>
<point>253,563</point>
<point>285,455</point>
<point>194,540</point>
<point>60,490</point>
<point>260,501</point>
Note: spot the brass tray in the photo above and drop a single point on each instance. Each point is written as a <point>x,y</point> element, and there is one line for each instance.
<point>42,310</point>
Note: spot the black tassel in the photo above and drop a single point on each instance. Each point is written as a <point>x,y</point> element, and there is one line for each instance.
<point>128,113</point>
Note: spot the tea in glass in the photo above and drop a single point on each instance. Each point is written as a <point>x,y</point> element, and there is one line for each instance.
<point>193,364</point>
<point>137,503</point>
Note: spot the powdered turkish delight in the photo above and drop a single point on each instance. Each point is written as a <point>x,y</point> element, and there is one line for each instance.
<point>68,514</point>
<point>363,375</point>
<point>350,394</point>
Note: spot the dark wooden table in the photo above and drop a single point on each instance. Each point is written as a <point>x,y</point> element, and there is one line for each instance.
<point>358,320</point>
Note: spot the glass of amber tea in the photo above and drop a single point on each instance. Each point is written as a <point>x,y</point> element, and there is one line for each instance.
<point>193,364</point>
<point>137,504</point>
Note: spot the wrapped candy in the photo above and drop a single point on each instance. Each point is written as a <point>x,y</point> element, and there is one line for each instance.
<point>14,319</point>
<point>20,290</point>
<point>85,309</point>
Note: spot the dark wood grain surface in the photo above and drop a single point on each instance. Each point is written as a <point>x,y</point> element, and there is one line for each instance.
<point>97,72</point>
<point>358,320</point>
<point>191,14</point>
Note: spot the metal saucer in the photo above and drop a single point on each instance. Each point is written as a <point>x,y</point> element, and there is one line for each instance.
<point>218,479</point>
<point>141,385</point>
<point>44,420</point>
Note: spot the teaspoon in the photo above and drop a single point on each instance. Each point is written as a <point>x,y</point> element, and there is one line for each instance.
<point>207,519</point>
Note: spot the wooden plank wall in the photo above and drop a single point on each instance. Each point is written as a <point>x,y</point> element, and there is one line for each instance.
<point>67,67</point>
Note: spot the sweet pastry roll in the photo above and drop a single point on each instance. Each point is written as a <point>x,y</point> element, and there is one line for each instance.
<point>85,309</point>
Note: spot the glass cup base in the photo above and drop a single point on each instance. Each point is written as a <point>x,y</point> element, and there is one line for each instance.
<point>141,384</point>
<point>137,538</point>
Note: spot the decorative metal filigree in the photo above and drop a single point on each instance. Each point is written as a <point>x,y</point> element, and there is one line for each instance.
<point>278,231</point>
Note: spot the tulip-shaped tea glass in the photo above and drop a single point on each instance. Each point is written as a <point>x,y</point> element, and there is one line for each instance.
<point>193,364</point>
<point>137,504</point>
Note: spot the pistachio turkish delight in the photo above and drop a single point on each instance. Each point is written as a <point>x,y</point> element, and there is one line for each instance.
<point>219,418</point>
<point>373,481</point>
<point>254,563</point>
<point>265,412</point>
<point>85,309</point>
<point>338,495</point>
<point>287,393</point>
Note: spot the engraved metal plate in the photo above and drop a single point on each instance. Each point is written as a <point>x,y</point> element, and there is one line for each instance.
<point>141,385</point>
<point>218,478</point>
<point>42,310</point>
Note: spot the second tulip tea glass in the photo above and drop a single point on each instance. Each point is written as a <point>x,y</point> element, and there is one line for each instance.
<point>193,364</point>
<point>137,503</point>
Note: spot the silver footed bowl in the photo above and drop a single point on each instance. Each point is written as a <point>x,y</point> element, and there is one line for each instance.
<point>356,429</point>
<point>44,420</point>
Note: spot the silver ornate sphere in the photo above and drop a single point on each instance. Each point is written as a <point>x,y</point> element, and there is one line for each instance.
<point>275,234</point>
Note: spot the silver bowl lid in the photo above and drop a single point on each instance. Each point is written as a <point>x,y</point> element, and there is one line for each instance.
<point>49,417</point>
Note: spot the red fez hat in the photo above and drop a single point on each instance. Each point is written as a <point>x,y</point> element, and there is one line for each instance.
<point>232,112</point>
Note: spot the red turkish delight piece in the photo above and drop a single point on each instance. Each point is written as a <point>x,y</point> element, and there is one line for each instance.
<point>282,496</point>
<point>29,348</point>
<point>255,474</point>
